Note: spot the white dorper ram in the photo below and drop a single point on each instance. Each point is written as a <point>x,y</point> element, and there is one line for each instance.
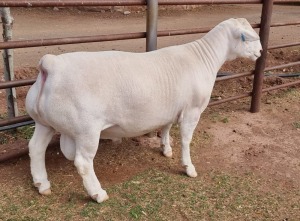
<point>113,94</point>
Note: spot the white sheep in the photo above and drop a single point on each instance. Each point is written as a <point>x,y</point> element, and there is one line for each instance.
<point>112,94</point>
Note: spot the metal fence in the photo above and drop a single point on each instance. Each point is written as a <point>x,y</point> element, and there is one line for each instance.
<point>151,41</point>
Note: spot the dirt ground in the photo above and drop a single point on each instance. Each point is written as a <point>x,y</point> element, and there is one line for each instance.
<point>227,138</point>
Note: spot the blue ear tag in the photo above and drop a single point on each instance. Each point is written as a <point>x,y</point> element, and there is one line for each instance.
<point>243,37</point>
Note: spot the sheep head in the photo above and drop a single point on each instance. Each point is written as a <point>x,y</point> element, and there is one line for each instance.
<point>247,42</point>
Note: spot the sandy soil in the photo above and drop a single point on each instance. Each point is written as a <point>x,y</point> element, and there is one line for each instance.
<point>231,138</point>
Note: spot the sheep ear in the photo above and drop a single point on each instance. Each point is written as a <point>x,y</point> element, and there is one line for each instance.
<point>249,36</point>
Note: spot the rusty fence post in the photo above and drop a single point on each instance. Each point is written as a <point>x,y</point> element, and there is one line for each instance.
<point>264,31</point>
<point>151,33</point>
<point>7,22</point>
<point>151,29</point>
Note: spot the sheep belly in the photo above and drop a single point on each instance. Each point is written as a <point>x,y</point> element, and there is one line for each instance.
<point>118,132</point>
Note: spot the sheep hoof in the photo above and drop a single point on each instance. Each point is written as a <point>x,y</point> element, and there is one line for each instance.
<point>46,192</point>
<point>100,197</point>
<point>168,154</point>
<point>191,172</point>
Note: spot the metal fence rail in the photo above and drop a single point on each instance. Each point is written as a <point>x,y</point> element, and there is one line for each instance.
<point>67,3</point>
<point>151,36</point>
<point>115,37</point>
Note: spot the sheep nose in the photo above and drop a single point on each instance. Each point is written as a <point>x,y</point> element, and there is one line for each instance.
<point>261,51</point>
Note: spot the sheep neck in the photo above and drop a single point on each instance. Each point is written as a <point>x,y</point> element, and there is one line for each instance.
<point>213,49</point>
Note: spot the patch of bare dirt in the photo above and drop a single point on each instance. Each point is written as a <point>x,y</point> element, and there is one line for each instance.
<point>228,136</point>
<point>265,143</point>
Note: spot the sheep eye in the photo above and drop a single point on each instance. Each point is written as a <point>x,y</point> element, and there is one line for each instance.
<point>243,37</point>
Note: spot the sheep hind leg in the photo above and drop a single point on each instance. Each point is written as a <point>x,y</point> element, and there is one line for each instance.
<point>187,128</point>
<point>37,149</point>
<point>86,148</point>
<point>165,140</point>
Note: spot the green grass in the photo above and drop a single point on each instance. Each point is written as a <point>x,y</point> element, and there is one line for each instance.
<point>296,124</point>
<point>3,138</point>
<point>292,93</point>
<point>156,195</point>
<point>217,117</point>
<point>24,132</point>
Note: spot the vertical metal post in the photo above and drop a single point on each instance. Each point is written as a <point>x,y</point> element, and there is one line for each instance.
<point>264,31</point>
<point>7,22</point>
<point>151,34</point>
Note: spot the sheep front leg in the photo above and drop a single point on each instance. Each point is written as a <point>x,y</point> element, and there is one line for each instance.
<point>187,127</point>
<point>37,148</point>
<point>86,149</point>
<point>165,140</point>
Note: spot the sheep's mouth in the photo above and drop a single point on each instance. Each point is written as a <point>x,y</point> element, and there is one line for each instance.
<point>254,57</point>
<point>257,55</point>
